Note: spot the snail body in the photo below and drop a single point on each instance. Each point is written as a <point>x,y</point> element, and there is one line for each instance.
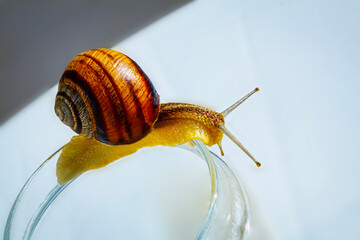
<point>165,133</point>
<point>106,98</point>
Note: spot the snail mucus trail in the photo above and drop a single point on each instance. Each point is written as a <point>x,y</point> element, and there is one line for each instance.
<point>109,101</point>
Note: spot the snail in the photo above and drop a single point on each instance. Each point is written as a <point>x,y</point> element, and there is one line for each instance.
<point>107,99</point>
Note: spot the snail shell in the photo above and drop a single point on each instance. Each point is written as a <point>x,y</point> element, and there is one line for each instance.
<point>105,95</point>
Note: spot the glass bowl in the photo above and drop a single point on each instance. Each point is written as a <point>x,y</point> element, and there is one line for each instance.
<point>161,193</point>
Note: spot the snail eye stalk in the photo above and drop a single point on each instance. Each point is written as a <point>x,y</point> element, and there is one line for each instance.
<point>229,134</point>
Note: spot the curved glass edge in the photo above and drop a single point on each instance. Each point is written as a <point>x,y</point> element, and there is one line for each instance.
<point>227,217</point>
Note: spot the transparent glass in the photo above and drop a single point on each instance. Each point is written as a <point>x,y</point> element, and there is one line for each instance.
<point>227,213</point>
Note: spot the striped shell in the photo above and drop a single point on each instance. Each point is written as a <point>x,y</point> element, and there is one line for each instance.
<point>105,95</point>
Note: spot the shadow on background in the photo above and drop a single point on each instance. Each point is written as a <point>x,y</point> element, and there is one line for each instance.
<point>38,39</point>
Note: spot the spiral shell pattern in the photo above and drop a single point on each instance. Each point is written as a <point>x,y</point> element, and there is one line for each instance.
<point>105,95</point>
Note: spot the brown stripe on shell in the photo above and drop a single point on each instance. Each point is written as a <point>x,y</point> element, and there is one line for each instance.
<point>152,94</point>
<point>85,118</point>
<point>124,65</point>
<point>78,125</point>
<point>118,128</point>
<point>139,111</point>
<point>90,98</point>
<point>126,124</point>
<point>146,87</point>
<point>103,51</point>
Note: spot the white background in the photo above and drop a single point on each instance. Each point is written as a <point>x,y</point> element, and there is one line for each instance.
<point>303,125</point>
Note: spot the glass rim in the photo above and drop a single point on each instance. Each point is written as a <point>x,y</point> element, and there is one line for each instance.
<point>221,177</point>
